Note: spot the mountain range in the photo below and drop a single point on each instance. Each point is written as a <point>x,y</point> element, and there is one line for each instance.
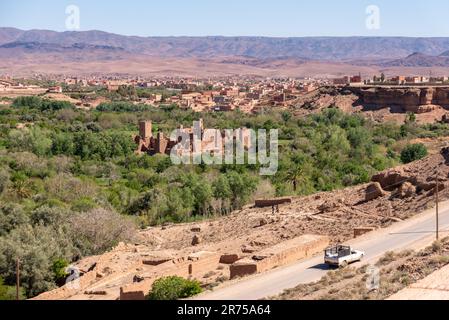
<point>35,50</point>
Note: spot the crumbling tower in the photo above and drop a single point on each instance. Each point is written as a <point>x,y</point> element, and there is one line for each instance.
<point>161,143</point>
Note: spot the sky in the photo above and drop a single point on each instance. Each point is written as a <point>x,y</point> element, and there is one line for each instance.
<point>276,18</point>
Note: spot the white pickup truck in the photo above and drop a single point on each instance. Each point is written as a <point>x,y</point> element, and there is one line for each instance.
<point>341,256</point>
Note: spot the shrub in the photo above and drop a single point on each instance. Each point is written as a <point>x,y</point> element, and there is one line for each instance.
<point>41,104</point>
<point>83,205</point>
<point>59,269</point>
<point>413,152</point>
<point>9,292</point>
<point>437,246</point>
<point>173,288</point>
<point>31,102</point>
<point>34,140</point>
<point>67,188</point>
<point>99,230</point>
<point>49,216</point>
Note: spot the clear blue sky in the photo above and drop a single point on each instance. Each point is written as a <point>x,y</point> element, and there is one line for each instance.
<point>233,17</point>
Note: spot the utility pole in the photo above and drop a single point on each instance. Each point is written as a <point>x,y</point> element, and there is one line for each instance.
<point>437,211</point>
<point>17,279</point>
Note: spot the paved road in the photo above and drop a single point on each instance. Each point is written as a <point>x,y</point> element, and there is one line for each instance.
<point>400,236</point>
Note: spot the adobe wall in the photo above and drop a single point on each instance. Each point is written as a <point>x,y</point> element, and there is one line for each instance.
<point>229,258</point>
<point>145,130</point>
<point>136,291</point>
<point>279,255</point>
<point>202,263</point>
<point>243,267</point>
<point>193,266</point>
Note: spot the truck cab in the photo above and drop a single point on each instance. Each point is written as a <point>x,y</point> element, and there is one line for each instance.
<point>341,256</point>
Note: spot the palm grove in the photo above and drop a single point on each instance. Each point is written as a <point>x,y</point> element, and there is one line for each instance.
<point>71,185</point>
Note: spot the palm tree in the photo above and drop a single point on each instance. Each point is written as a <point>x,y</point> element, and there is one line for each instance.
<point>21,189</point>
<point>295,175</point>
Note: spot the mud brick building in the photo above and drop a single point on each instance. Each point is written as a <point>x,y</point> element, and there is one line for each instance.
<point>147,143</point>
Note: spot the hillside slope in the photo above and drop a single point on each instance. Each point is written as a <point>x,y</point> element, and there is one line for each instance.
<point>398,194</point>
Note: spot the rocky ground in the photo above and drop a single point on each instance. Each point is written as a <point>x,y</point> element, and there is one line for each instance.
<point>396,271</point>
<point>394,195</point>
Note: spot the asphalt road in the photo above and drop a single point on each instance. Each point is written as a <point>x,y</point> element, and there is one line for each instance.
<point>400,236</point>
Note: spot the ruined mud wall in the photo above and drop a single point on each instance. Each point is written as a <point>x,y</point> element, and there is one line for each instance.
<point>70,289</point>
<point>279,255</point>
<point>194,266</point>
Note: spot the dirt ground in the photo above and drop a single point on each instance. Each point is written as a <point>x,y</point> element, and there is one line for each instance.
<point>396,271</point>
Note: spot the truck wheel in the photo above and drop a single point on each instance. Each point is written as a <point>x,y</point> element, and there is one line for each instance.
<point>344,264</point>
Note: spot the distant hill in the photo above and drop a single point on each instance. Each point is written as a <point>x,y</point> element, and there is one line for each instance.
<point>48,51</point>
<point>43,51</point>
<point>316,48</point>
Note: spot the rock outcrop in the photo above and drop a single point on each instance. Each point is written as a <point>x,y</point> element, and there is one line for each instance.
<point>391,179</point>
<point>413,99</point>
<point>374,191</point>
<point>406,190</point>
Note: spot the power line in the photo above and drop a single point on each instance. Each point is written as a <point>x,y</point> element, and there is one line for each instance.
<point>436,207</point>
<point>17,279</point>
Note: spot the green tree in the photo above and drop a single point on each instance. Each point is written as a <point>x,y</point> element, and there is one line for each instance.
<point>286,116</point>
<point>222,191</point>
<point>36,247</point>
<point>242,185</point>
<point>4,180</point>
<point>413,152</point>
<point>294,175</point>
<point>11,217</point>
<point>411,117</point>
